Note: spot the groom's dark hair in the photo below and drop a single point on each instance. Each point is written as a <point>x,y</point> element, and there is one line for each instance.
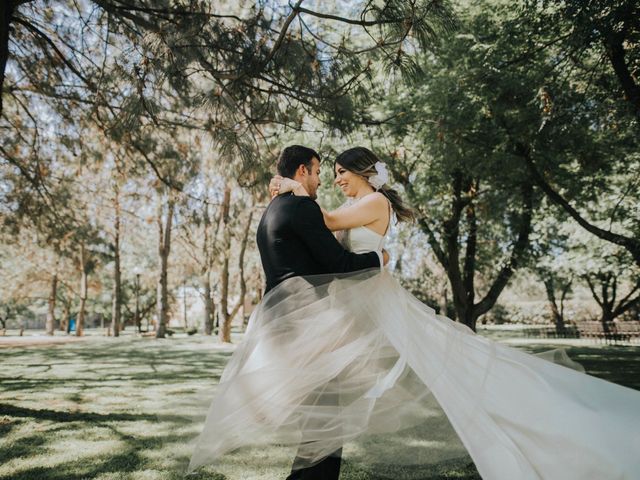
<point>292,157</point>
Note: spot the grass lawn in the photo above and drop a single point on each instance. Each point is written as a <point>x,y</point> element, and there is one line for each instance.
<point>106,408</point>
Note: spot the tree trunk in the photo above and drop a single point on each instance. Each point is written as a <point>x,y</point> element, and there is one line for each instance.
<point>448,252</point>
<point>164,230</point>
<point>225,329</point>
<point>208,305</point>
<point>614,46</point>
<point>116,309</point>
<point>556,315</point>
<point>208,255</point>
<point>51,311</point>
<point>83,291</point>
<point>64,320</point>
<point>184,305</point>
<point>136,315</point>
<point>444,300</point>
<point>7,8</point>
<point>243,282</point>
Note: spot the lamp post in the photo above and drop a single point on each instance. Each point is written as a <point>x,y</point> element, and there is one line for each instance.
<point>184,301</point>
<point>137,311</point>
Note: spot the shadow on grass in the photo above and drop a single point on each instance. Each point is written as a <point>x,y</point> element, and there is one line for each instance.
<point>127,368</point>
<point>119,463</point>
<point>22,447</point>
<point>62,416</point>
<point>44,445</point>
<point>453,469</point>
<point>614,363</point>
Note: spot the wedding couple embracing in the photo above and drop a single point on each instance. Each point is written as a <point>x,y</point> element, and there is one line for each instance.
<point>337,351</point>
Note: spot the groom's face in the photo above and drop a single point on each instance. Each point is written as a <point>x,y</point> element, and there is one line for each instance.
<point>312,178</point>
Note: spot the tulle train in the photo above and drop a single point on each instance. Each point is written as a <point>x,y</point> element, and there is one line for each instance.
<point>329,359</point>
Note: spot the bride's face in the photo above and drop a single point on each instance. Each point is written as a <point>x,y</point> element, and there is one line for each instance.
<point>349,182</point>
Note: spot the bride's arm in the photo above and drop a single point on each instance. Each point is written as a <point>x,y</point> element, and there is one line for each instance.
<point>369,209</point>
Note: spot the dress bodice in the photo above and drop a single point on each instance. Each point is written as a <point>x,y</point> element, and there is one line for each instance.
<point>361,240</point>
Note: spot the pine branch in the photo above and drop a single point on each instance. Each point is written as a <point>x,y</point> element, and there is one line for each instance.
<point>350,21</point>
<point>629,243</point>
<point>40,34</point>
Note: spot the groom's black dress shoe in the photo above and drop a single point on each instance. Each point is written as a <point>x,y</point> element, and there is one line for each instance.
<point>327,469</point>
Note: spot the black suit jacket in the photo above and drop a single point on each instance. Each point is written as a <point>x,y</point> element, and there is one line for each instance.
<point>294,241</point>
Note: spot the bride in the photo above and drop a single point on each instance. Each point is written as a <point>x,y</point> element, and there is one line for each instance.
<point>332,359</point>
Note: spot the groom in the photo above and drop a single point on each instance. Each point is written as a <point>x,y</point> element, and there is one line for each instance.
<point>294,241</point>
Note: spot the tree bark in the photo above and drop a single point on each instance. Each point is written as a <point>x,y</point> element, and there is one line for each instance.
<point>51,310</point>
<point>225,329</point>
<point>207,253</point>
<point>83,291</point>
<point>444,299</point>
<point>136,316</point>
<point>556,315</point>
<point>614,46</point>
<point>116,310</point>
<point>64,320</point>
<point>243,282</point>
<point>164,248</point>
<point>208,305</point>
<point>184,305</point>
<point>469,267</point>
<point>7,8</point>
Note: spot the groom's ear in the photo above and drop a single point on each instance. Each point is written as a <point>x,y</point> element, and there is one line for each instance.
<point>302,170</point>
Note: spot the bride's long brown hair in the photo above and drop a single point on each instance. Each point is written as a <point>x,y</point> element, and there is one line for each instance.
<point>361,161</point>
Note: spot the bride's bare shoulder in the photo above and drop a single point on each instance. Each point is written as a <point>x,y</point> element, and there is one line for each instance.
<point>375,199</point>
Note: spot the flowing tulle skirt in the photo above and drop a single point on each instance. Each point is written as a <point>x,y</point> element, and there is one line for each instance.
<point>328,360</point>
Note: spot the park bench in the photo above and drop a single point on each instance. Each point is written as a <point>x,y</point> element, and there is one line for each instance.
<point>547,331</point>
<point>625,331</point>
<point>629,330</point>
<point>614,332</point>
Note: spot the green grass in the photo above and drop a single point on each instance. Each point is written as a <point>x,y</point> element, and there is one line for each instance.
<point>123,408</point>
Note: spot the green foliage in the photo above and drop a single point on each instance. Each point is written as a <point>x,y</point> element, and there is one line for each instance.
<point>496,95</point>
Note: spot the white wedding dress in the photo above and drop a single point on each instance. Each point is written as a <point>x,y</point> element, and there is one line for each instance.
<point>334,359</point>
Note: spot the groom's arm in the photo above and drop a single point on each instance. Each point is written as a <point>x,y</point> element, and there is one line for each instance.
<point>309,225</point>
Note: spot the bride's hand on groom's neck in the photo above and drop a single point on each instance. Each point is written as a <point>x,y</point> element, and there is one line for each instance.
<point>279,184</point>
<point>274,186</point>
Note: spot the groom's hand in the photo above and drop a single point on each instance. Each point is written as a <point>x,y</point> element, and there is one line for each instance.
<point>385,256</point>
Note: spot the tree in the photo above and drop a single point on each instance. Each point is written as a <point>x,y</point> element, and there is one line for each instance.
<point>606,29</point>
<point>117,289</point>
<point>552,261</point>
<point>166,206</point>
<point>460,165</point>
<point>614,286</point>
<point>595,44</point>
<point>465,137</point>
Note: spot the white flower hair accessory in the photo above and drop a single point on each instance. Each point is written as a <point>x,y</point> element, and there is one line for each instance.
<point>380,178</point>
